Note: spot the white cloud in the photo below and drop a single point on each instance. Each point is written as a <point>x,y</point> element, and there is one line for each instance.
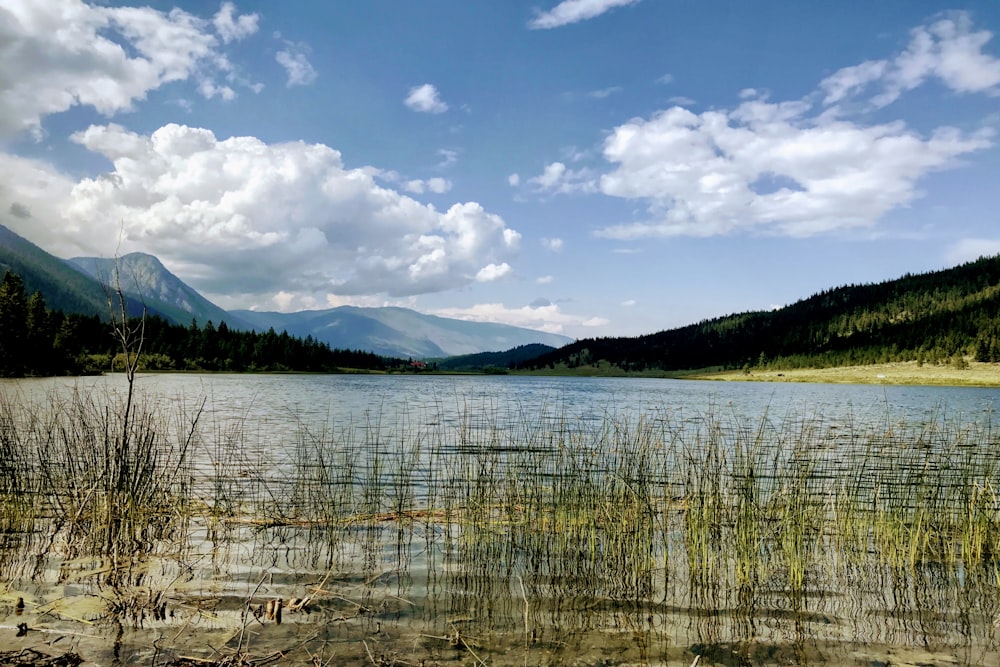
<point>573,11</point>
<point>448,157</point>
<point>232,27</point>
<point>551,176</point>
<point>545,280</point>
<point>300,71</point>
<point>493,272</point>
<point>35,187</point>
<point>681,101</point>
<point>59,54</point>
<point>239,216</point>
<point>436,185</point>
<point>770,167</point>
<point>514,180</point>
<point>849,80</point>
<point>553,244</point>
<point>968,250</point>
<point>209,89</point>
<point>425,99</point>
<point>605,92</point>
<point>948,50</point>
<point>785,168</point>
<point>558,179</point>
<point>629,303</point>
<point>542,318</point>
<point>666,79</point>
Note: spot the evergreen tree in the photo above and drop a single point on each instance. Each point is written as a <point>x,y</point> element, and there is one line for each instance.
<point>41,358</point>
<point>13,326</point>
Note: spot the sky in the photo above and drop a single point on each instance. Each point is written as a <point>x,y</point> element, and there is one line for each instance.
<point>585,167</point>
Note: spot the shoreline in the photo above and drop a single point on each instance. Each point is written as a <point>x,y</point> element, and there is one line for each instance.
<point>978,374</point>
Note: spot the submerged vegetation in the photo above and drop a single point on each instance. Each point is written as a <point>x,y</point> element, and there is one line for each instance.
<point>500,538</point>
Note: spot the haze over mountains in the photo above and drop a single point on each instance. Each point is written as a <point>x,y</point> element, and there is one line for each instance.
<point>77,285</point>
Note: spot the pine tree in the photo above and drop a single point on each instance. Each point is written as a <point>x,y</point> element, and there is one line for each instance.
<point>13,325</point>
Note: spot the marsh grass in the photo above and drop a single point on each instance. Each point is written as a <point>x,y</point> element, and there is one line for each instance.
<point>528,523</point>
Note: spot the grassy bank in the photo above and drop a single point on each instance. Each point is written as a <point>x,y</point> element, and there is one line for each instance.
<point>976,375</point>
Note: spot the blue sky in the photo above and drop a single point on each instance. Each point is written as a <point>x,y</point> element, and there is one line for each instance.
<point>587,167</point>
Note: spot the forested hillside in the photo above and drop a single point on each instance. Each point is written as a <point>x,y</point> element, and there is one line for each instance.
<point>932,317</point>
<point>499,361</point>
<point>35,340</point>
<point>65,288</point>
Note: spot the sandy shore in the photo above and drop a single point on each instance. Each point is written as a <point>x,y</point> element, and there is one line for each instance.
<point>976,375</point>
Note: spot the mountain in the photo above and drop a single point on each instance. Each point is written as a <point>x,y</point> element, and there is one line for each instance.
<point>399,332</point>
<point>935,316</point>
<point>77,286</point>
<point>147,280</point>
<point>62,285</point>
<point>497,360</point>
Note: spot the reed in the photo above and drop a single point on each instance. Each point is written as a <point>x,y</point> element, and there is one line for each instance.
<point>524,521</point>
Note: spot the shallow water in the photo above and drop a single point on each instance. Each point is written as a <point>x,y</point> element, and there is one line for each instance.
<point>512,585</point>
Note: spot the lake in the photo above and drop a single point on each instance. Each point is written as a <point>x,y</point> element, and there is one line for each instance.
<point>502,520</point>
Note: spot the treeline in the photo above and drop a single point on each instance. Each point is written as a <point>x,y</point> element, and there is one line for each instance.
<point>942,316</point>
<point>35,340</point>
<point>494,361</point>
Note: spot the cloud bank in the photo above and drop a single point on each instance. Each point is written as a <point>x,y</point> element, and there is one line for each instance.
<point>239,216</point>
<point>794,168</point>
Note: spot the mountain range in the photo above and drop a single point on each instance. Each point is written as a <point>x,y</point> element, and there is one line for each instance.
<point>80,285</point>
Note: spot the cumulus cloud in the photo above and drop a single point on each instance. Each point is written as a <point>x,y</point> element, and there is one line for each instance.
<point>968,250</point>
<point>553,244</point>
<point>300,71</point>
<point>558,179</point>
<point>574,11</point>
<point>239,216</point>
<point>425,99</point>
<point>545,280</point>
<point>541,317</point>
<point>948,50</point>
<point>59,54</point>
<point>232,27</point>
<point>514,180</point>
<point>629,303</point>
<point>789,167</point>
<point>769,166</point>
<point>493,272</point>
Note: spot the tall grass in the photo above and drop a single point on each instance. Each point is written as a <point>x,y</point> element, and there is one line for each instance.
<point>533,524</point>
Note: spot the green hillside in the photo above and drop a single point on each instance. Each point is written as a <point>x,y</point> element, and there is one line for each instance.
<point>63,286</point>
<point>932,317</point>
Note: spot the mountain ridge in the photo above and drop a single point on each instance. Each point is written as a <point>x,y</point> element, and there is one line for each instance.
<point>80,285</point>
<point>144,277</point>
<point>397,331</point>
<point>934,316</point>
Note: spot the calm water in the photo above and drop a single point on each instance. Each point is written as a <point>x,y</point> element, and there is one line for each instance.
<point>283,401</point>
<point>442,590</point>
